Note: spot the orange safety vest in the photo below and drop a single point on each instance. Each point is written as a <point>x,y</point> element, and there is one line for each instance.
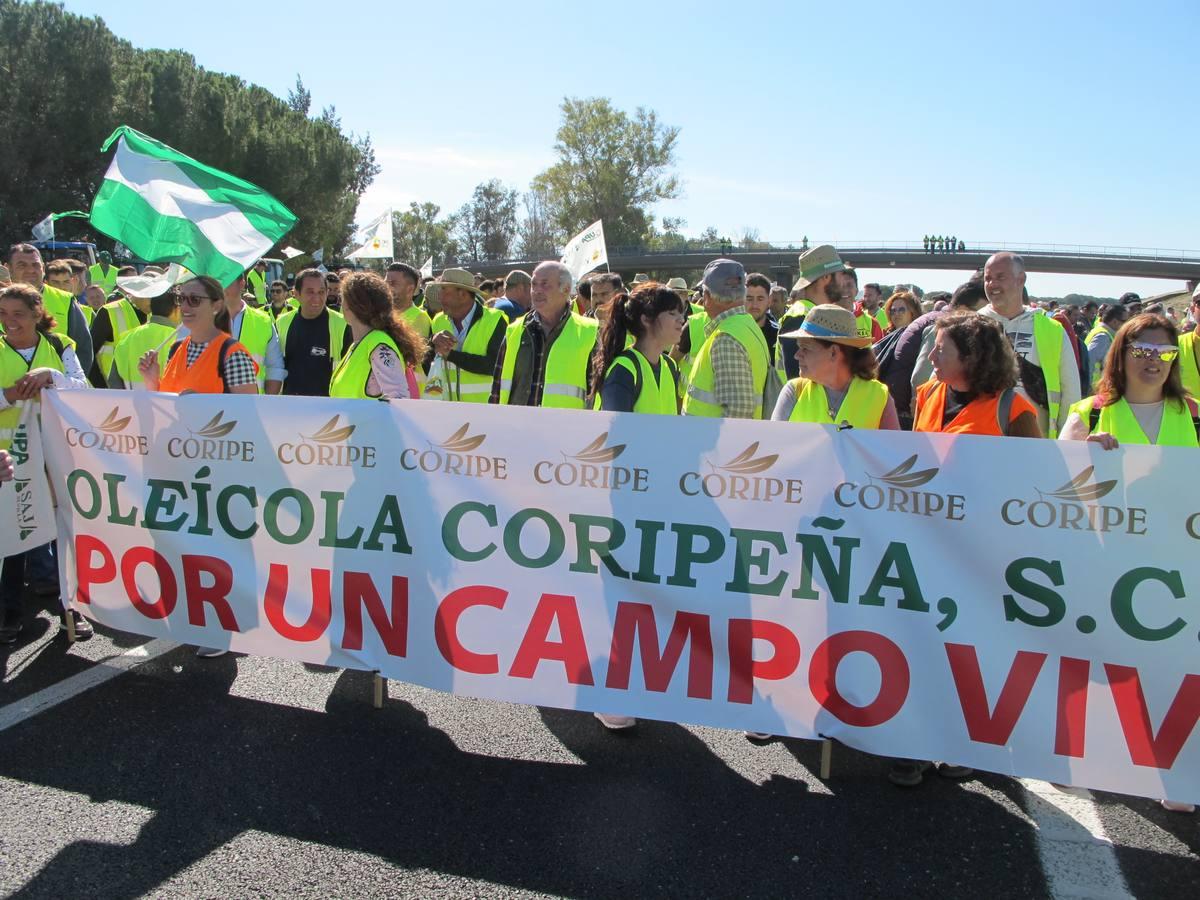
<point>980,416</point>
<point>204,375</point>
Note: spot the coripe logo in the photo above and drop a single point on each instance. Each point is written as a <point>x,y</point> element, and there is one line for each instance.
<point>743,478</point>
<point>900,491</point>
<point>212,442</point>
<point>1073,507</point>
<point>329,445</point>
<point>595,466</point>
<point>456,456</point>
<point>110,436</point>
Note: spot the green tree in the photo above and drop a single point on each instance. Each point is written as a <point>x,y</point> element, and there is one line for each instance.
<point>610,166</point>
<point>486,228</point>
<point>299,98</point>
<point>418,234</point>
<point>536,236</point>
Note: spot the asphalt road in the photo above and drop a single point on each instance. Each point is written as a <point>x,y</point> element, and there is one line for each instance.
<point>251,777</point>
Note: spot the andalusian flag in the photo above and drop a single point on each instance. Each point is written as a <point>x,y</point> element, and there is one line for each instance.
<point>167,207</point>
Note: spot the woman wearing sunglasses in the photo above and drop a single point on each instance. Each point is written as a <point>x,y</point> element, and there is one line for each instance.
<point>208,360</point>
<point>1140,397</point>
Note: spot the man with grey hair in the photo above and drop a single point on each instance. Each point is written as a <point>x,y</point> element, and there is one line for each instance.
<point>730,368</point>
<point>515,301</point>
<point>1049,378</point>
<point>547,353</point>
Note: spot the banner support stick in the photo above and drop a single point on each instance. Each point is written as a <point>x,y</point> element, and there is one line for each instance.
<point>826,758</point>
<point>70,620</point>
<point>380,690</point>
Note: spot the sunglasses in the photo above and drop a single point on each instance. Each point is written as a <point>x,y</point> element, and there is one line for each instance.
<point>1164,353</point>
<point>192,300</point>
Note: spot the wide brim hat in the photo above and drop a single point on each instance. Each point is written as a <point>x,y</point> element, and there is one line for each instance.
<point>816,262</point>
<point>832,323</point>
<point>678,284</point>
<point>640,277</point>
<point>459,278</point>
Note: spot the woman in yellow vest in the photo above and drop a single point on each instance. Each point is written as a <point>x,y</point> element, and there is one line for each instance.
<point>380,363</point>
<point>837,383</point>
<point>32,359</point>
<point>1140,398</point>
<point>642,377</point>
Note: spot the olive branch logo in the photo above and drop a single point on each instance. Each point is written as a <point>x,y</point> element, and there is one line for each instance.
<point>596,452</point>
<point>903,477</point>
<point>216,428</point>
<point>1079,490</point>
<point>745,463</point>
<point>460,443</point>
<point>111,424</point>
<point>330,433</point>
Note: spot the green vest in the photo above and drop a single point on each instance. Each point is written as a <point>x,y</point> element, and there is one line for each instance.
<point>418,319</point>
<point>124,319</point>
<point>1048,338</point>
<point>1189,363</point>
<point>350,378</point>
<point>106,280</point>
<point>1117,419</point>
<point>696,324</point>
<point>655,395</point>
<point>464,386</point>
<point>566,363</point>
<point>58,304</point>
<point>701,399</point>
<point>132,346</point>
<point>865,324</point>
<point>89,314</point>
<point>862,407</point>
<point>337,332</point>
<point>13,367</point>
<point>257,327</point>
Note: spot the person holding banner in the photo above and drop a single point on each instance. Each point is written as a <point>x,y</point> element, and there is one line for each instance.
<point>379,364</point>
<point>157,334</point>
<point>33,358</point>
<point>1140,398</point>
<point>973,390</point>
<point>641,378</point>
<point>6,467</point>
<point>837,383</point>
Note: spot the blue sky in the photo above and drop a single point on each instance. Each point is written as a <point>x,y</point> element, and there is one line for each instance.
<point>1066,123</point>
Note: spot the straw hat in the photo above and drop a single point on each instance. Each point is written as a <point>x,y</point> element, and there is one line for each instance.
<point>459,278</point>
<point>678,284</point>
<point>817,262</point>
<point>829,322</point>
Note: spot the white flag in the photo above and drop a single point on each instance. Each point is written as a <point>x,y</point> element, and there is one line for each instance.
<point>427,269</point>
<point>291,252</point>
<point>26,516</point>
<point>586,250</point>
<point>375,241</point>
<point>319,258</point>
<point>153,284</point>
<point>44,230</point>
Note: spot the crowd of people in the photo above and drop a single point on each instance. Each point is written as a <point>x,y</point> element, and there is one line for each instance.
<point>982,360</point>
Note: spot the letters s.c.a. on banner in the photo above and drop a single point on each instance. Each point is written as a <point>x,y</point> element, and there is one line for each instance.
<point>1021,607</point>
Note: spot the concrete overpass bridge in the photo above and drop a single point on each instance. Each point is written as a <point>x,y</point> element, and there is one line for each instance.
<point>780,261</point>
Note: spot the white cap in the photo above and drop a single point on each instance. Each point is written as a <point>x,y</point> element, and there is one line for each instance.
<point>153,283</point>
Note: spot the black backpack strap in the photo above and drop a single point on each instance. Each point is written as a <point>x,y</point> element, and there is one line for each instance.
<point>637,373</point>
<point>174,349</point>
<point>56,342</point>
<point>1094,414</point>
<point>222,355</point>
<point>1004,411</point>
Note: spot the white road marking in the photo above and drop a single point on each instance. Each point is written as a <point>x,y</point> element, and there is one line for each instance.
<point>47,698</point>
<point>1076,853</point>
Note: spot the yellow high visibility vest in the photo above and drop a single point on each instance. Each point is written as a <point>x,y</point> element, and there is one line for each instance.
<point>700,398</point>
<point>349,379</point>
<point>124,319</point>
<point>1048,338</point>
<point>865,325</point>
<point>258,284</point>
<point>696,324</point>
<point>419,320</point>
<point>106,280</point>
<point>1177,428</point>
<point>566,363</point>
<point>1189,363</point>
<point>255,331</point>
<point>862,407</point>
<point>464,386</point>
<point>657,395</point>
<point>58,304</point>
<point>337,332</point>
<point>132,346</point>
<point>13,367</point>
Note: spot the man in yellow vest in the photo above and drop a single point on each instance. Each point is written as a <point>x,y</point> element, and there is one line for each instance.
<point>822,279</point>
<point>402,280</point>
<point>256,280</point>
<point>255,329</point>
<point>313,338</point>
<point>1189,350</point>
<point>104,273</point>
<point>26,267</point>
<point>1099,340</point>
<point>730,369</point>
<point>157,333</point>
<point>112,322</point>
<point>546,359</point>
<point>467,335</point>
<point>1049,378</point>
<point>872,302</point>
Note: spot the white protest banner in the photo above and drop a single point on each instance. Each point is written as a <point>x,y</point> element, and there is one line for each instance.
<point>427,268</point>
<point>586,251</point>
<point>375,239</point>
<point>26,510</point>
<point>1024,607</point>
<point>291,252</point>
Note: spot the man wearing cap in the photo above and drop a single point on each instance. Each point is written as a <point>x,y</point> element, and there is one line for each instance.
<point>730,369</point>
<point>547,353</point>
<point>158,332</point>
<point>104,273</point>
<point>1049,377</point>
<point>1189,350</point>
<point>467,335</point>
<point>821,280</point>
<point>112,322</point>
<point>516,300</point>
<point>26,267</point>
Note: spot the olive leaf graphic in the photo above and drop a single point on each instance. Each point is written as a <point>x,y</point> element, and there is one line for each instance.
<point>1078,489</point>
<point>902,477</point>
<point>215,429</point>
<point>596,452</point>
<point>745,463</point>
<point>111,424</point>
<point>902,468</point>
<point>329,433</point>
<point>460,443</point>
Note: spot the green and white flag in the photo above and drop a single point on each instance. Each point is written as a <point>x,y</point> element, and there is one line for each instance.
<point>168,207</point>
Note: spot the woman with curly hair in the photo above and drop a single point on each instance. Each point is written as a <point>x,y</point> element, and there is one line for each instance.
<point>1140,397</point>
<point>901,309</point>
<point>973,390</point>
<point>379,364</point>
<point>633,368</point>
